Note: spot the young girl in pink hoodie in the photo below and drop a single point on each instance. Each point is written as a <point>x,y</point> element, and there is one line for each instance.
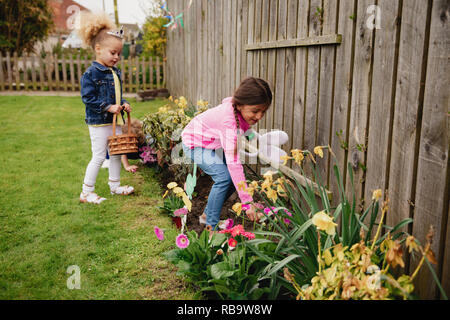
<point>210,140</point>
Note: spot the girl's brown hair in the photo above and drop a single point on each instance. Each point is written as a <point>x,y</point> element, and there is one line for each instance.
<point>94,28</point>
<point>252,92</point>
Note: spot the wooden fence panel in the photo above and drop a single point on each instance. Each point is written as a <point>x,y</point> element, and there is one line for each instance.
<point>432,166</point>
<point>343,91</point>
<point>385,62</point>
<point>326,85</point>
<point>65,72</point>
<point>360,101</point>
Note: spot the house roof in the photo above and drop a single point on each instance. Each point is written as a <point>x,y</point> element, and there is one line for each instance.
<point>63,10</point>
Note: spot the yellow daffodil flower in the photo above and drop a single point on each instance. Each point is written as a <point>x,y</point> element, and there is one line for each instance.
<point>324,222</point>
<point>177,190</point>
<point>165,194</point>
<point>187,201</point>
<point>298,156</point>
<point>272,194</point>
<point>376,195</point>
<point>237,207</point>
<point>285,159</point>
<point>318,150</point>
<point>412,244</point>
<point>172,185</point>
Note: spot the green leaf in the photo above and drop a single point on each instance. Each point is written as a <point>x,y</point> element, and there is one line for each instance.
<point>282,263</point>
<point>221,270</point>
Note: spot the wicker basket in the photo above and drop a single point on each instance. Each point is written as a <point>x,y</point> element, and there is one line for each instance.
<point>122,143</point>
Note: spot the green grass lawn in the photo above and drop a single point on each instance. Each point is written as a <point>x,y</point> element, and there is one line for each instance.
<point>45,149</point>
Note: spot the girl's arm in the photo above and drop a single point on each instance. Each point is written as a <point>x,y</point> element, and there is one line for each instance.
<point>126,164</point>
<point>90,96</point>
<point>228,138</point>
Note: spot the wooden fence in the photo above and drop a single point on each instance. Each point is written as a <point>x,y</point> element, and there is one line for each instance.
<point>55,73</point>
<point>370,78</point>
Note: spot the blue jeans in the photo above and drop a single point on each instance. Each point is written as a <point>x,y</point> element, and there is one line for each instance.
<point>213,163</point>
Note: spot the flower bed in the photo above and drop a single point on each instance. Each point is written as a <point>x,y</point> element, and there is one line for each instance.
<point>296,250</point>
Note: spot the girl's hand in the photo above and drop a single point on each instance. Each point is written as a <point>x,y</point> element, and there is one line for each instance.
<point>126,107</point>
<point>115,108</point>
<point>132,168</point>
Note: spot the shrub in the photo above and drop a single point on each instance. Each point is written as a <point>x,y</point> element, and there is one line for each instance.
<point>163,130</point>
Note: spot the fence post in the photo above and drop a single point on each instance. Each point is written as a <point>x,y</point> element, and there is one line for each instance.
<point>78,71</point>
<point>144,73</point>
<point>2,78</point>
<point>16,71</point>
<point>150,70</point>
<point>41,74</point>
<point>56,64</point>
<point>72,72</point>
<point>8,66</point>
<point>64,70</point>
<point>25,71</point>
<point>158,81</point>
<point>49,72</point>
<point>33,71</point>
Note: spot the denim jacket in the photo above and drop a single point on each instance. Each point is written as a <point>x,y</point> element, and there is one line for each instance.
<point>98,93</point>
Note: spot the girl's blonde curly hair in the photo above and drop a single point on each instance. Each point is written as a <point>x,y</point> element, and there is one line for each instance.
<point>94,27</point>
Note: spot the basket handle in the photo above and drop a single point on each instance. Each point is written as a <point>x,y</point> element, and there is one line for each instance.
<point>114,123</point>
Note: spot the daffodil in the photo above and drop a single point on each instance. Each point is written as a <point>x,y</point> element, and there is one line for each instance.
<point>394,255</point>
<point>324,222</point>
<point>165,194</point>
<point>202,103</point>
<point>412,244</point>
<point>318,150</point>
<point>285,159</point>
<point>177,190</point>
<point>376,195</point>
<point>237,207</point>
<point>187,201</point>
<point>281,190</point>
<point>172,185</point>
<point>298,156</point>
<point>272,194</point>
<point>268,175</point>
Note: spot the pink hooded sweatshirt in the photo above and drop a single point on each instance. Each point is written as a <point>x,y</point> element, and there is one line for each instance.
<point>216,128</point>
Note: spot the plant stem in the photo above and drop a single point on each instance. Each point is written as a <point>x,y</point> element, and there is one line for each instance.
<point>318,257</point>
<point>383,212</point>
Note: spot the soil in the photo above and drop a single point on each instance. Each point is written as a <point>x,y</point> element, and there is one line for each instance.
<point>200,199</point>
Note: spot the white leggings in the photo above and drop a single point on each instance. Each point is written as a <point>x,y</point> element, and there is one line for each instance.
<point>99,145</point>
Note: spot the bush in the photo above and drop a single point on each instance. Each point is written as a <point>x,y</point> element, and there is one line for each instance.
<point>163,130</point>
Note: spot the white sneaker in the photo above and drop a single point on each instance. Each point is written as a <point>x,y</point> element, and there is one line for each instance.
<point>202,219</point>
<point>122,190</point>
<point>105,164</point>
<point>91,197</point>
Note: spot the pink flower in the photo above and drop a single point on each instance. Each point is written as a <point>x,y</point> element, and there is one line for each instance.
<point>237,230</point>
<point>286,220</point>
<point>180,212</point>
<point>229,224</point>
<point>182,241</point>
<point>245,206</point>
<point>248,235</point>
<point>159,233</point>
<point>270,211</point>
<point>232,242</point>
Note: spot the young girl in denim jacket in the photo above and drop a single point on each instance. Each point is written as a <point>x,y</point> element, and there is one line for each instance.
<point>213,134</point>
<point>98,85</point>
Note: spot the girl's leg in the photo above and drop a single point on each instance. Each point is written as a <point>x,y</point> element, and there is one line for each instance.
<point>115,165</point>
<point>99,139</point>
<point>213,165</point>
